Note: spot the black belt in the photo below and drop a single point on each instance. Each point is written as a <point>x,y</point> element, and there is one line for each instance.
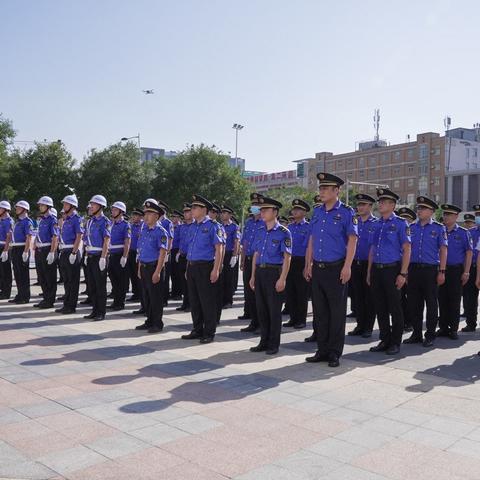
<point>148,264</point>
<point>200,262</point>
<point>44,248</point>
<point>329,264</point>
<point>298,258</point>
<point>249,257</point>
<point>458,265</point>
<point>423,265</point>
<point>386,265</point>
<point>269,265</point>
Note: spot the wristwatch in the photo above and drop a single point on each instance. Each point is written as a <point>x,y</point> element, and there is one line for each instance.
<point>404,275</point>
<point>442,271</point>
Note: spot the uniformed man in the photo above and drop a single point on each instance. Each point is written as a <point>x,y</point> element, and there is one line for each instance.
<point>236,268</point>
<point>176,293</point>
<point>20,252</point>
<point>388,262</point>
<point>97,241</point>
<point>167,224</point>
<point>136,222</point>
<point>46,243</point>
<point>6,228</point>
<point>328,262</point>
<point>459,259</point>
<point>71,232</point>
<point>283,221</point>
<point>297,287</point>
<point>181,257</point>
<point>205,255</point>
<point>362,293</point>
<point>426,271</point>
<point>247,242</point>
<point>470,290</point>
<point>152,253</point>
<point>270,265</point>
<point>469,220</point>
<point>232,247</point>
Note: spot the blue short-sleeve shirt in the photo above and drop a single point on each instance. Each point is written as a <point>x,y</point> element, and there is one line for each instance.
<point>271,245</point>
<point>47,229</point>
<point>426,242</point>
<point>202,239</point>
<point>21,229</point>
<point>6,226</point>
<point>71,227</point>
<point>459,243</point>
<point>151,241</point>
<point>388,239</point>
<point>300,233</point>
<point>119,232</point>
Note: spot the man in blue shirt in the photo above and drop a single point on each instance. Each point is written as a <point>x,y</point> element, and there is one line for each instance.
<point>181,257</point>
<point>204,257</point>
<point>46,242</point>
<point>176,293</point>
<point>136,222</point>
<point>167,224</point>
<point>270,265</point>
<point>97,241</point>
<point>119,248</point>
<point>388,262</point>
<point>362,293</point>
<point>247,243</point>
<point>328,262</point>
<point>20,251</point>
<point>459,259</point>
<point>470,290</point>
<point>6,228</point>
<point>426,271</point>
<point>297,287</point>
<point>152,253</point>
<point>232,246</point>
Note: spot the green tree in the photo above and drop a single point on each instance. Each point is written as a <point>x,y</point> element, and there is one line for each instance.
<point>7,134</point>
<point>116,173</point>
<point>286,195</point>
<point>203,170</point>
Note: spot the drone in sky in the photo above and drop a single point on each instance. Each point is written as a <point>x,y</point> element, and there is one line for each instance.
<point>148,92</point>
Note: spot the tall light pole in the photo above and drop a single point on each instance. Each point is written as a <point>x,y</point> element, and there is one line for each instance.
<point>125,139</point>
<point>237,127</point>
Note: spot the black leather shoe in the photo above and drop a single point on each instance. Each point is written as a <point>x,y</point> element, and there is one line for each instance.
<point>90,316</point>
<point>155,330</point>
<point>243,317</point>
<point>250,328</point>
<point>12,300</point>
<point>333,360</point>
<point>288,324</point>
<point>407,329</point>
<point>299,326</point>
<point>143,326</point>
<point>352,315</point>
<point>318,357</point>
<point>392,350</point>
<point>59,310</point>
<point>413,339</point>
<point>258,348</point>
<point>116,308</point>
<point>468,329</point>
<point>61,298</point>
<point>311,338</point>
<point>367,334</point>
<point>43,306</point>
<point>67,311</point>
<point>355,332</point>
<point>271,351</point>
<point>37,305</point>
<point>453,336</point>
<point>191,336</point>
<point>180,309</point>
<point>442,333</point>
<point>139,312</point>
<point>22,302</point>
<point>133,299</point>
<point>98,318</point>
<point>428,342</point>
<point>205,340</point>
<point>381,347</point>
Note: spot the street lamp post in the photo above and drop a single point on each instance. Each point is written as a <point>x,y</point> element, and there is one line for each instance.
<point>237,127</point>
<point>125,139</point>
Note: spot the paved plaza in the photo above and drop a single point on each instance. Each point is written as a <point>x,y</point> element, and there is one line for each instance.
<point>83,400</point>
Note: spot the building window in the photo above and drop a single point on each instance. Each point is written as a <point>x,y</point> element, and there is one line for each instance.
<point>385,172</point>
<point>340,164</point>
<point>422,185</point>
<point>371,174</point>
<point>372,162</point>
<point>384,158</point>
<point>410,153</point>
<point>396,184</point>
<point>330,166</point>
<point>411,169</point>
<point>437,166</point>
<point>361,174</point>
<point>397,156</point>
<point>410,182</point>
<point>436,151</point>
<point>411,198</point>
<point>350,163</point>
<point>436,181</point>
<point>361,188</point>
<point>396,170</point>
<point>423,153</point>
<point>361,162</point>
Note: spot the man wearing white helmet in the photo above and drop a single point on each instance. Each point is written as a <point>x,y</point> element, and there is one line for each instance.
<point>20,248</point>
<point>71,232</point>
<point>97,240</point>
<point>119,248</point>
<point>45,252</point>
<point>6,228</point>
<point>167,224</point>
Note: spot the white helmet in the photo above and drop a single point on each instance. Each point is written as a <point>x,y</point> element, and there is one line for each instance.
<point>99,200</point>
<point>45,201</point>
<point>54,212</point>
<point>72,200</point>
<point>121,206</point>
<point>23,204</point>
<point>5,205</point>
<point>151,200</point>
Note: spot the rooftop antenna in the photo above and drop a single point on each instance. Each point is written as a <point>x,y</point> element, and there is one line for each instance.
<point>376,123</point>
<point>447,122</point>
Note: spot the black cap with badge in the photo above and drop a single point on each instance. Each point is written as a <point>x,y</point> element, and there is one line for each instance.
<point>200,201</point>
<point>385,193</point>
<point>153,207</point>
<point>299,203</point>
<point>364,198</point>
<point>266,202</point>
<point>328,179</point>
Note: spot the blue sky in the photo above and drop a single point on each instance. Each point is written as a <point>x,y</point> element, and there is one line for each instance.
<point>302,76</point>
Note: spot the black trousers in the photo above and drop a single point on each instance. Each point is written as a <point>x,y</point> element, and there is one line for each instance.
<point>6,277</point>
<point>219,286</point>
<point>98,285</point>
<point>228,279</point>
<point>449,297</point>
<point>153,294</point>
<point>269,306</point>
<point>250,304</point>
<point>407,322</point>
<point>470,298</point>
<point>132,272</point>
<point>329,297</point>
<point>297,291</point>
<point>119,279</point>
<point>175,273</point>
<point>236,268</point>
<point>422,290</point>
<point>388,303</point>
<point>21,273</point>
<point>71,278</point>
<point>166,283</point>
<point>47,275</point>
<point>182,266</point>
<point>362,293</point>
<point>202,295</point>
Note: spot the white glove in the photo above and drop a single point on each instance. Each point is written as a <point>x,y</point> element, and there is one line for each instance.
<point>50,258</point>
<point>233,261</point>
<point>25,256</point>
<point>177,256</point>
<point>71,258</point>
<point>4,256</point>
<point>123,261</point>
<point>102,263</point>
<point>86,260</point>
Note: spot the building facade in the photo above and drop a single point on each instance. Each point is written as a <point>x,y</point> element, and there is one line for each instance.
<point>267,181</point>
